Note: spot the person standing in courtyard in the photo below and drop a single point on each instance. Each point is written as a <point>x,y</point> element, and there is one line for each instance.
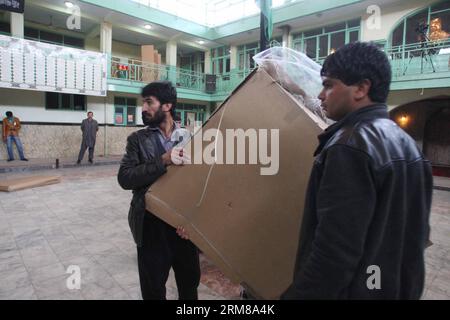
<point>11,128</point>
<point>89,128</point>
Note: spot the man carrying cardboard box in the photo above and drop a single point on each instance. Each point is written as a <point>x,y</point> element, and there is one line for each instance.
<point>366,215</point>
<point>159,246</point>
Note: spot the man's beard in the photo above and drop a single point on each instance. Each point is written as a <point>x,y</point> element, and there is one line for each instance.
<point>154,121</point>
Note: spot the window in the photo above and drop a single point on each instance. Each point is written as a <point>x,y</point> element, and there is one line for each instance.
<point>311,47</point>
<point>125,111</point>
<point>220,58</point>
<point>51,37</point>
<point>397,35</point>
<point>188,113</point>
<point>320,42</point>
<point>431,23</point>
<point>64,101</point>
<point>245,56</point>
<point>5,28</point>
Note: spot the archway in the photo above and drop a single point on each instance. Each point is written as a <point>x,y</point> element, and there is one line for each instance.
<point>428,123</point>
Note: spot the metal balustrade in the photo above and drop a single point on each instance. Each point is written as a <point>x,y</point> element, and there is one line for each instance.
<point>421,58</point>
<point>135,70</point>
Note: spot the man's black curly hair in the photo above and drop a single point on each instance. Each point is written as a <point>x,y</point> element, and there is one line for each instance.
<point>164,91</point>
<point>357,61</point>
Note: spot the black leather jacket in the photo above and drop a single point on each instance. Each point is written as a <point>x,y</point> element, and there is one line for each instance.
<point>140,167</point>
<point>367,204</point>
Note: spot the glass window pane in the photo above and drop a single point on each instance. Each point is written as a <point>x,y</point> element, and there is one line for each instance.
<point>415,27</point>
<point>397,36</point>
<point>354,36</point>
<point>337,41</point>
<point>323,46</point>
<point>354,23</point>
<point>313,32</point>
<point>31,33</point>
<point>5,27</point>
<point>51,100</point>
<point>200,117</point>
<point>252,62</point>
<point>79,102</point>
<point>51,37</point>
<point>131,115</point>
<point>131,102</point>
<point>65,101</point>
<point>227,69</point>
<point>120,101</point>
<point>335,27</point>
<point>439,26</point>
<point>118,115</point>
<point>440,6</point>
<point>241,61</point>
<point>74,42</point>
<point>220,52</point>
<point>311,47</point>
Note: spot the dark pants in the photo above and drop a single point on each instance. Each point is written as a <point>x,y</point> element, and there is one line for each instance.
<point>162,249</point>
<point>83,150</point>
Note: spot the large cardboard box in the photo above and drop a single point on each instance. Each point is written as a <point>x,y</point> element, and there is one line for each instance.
<point>247,223</point>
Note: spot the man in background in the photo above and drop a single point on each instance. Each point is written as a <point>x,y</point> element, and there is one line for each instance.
<point>11,128</point>
<point>89,127</point>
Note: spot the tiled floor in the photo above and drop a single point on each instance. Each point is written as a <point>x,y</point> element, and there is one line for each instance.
<point>83,221</point>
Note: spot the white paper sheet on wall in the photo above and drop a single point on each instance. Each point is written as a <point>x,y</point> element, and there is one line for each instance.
<point>79,75</point>
<point>46,67</point>
<point>51,71</point>
<point>61,73</point>
<point>88,74</point>
<point>18,68</point>
<point>29,68</point>
<point>6,66</point>
<point>70,71</point>
<point>40,70</point>
<point>97,77</point>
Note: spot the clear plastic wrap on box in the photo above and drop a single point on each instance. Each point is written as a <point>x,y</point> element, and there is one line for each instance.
<point>295,72</point>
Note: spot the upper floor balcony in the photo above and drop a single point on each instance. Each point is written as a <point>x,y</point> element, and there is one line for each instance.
<point>133,73</point>
<point>31,65</point>
<point>414,66</point>
<point>420,65</point>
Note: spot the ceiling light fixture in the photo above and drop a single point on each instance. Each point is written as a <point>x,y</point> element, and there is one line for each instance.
<point>147,26</point>
<point>201,41</point>
<point>68,4</point>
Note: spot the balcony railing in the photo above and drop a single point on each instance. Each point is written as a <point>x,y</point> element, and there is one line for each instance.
<point>419,60</point>
<point>422,58</point>
<point>138,71</point>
